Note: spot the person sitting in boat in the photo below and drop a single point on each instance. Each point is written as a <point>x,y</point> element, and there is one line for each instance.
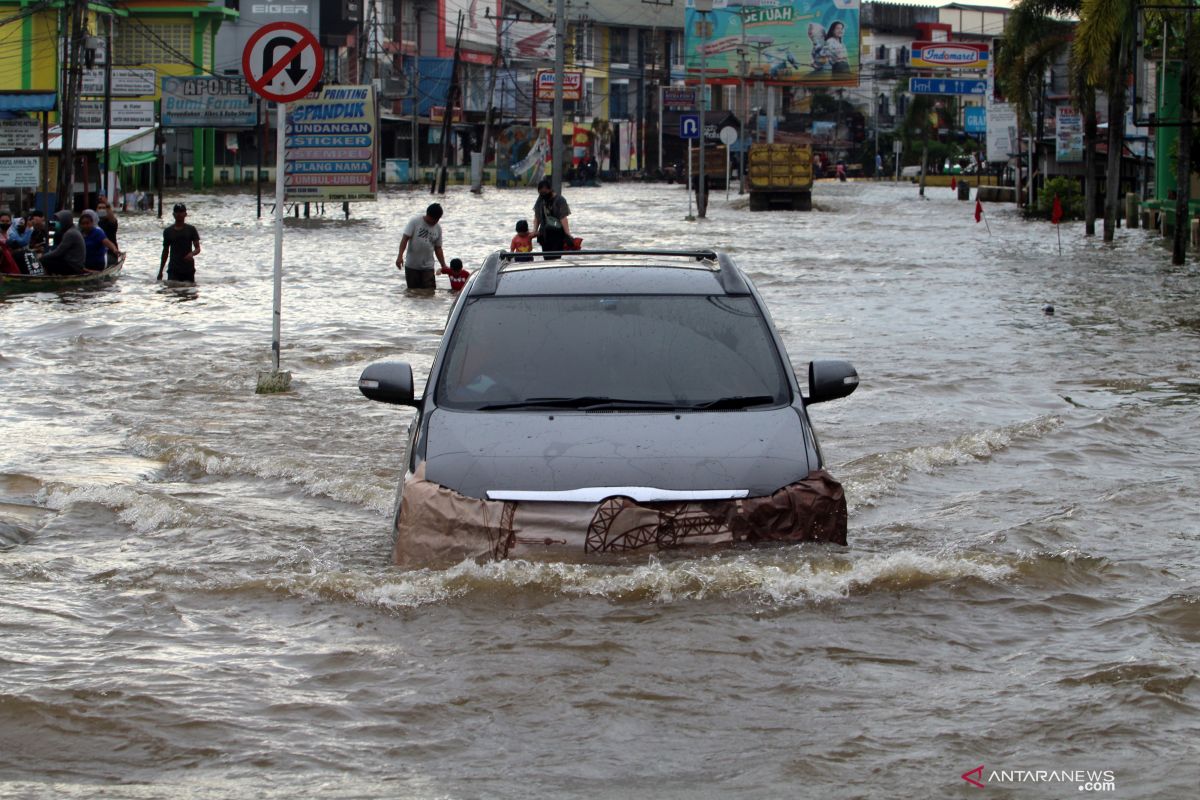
<point>95,241</point>
<point>68,256</point>
<point>108,222</point>
<point>18,234</point>
<point>35,223</point>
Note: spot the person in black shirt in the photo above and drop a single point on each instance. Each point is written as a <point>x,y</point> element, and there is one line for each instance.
<point>108,222</point>
<point>181,244</point>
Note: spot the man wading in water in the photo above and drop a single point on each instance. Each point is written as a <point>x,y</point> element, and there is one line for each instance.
<point>181,244</point>
<point>423,240</point>
<point>550,214</point>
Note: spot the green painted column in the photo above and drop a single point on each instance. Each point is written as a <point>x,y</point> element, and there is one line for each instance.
<point>210,156</point>
<point>27,51</point>
<point>199,137</point>
<point>1166,137</point>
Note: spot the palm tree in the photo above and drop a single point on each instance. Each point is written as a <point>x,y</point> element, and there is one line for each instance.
<point>1102,47</point>
<point>1036,35</point>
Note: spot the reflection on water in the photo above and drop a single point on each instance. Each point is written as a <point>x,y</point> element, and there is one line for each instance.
<point>194,580</point>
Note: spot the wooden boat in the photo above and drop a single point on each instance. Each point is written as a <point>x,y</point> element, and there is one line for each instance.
<point>59,283</point>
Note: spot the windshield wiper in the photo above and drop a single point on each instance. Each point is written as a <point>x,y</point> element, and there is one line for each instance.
<point>584,403</point>
<point>740,401</point>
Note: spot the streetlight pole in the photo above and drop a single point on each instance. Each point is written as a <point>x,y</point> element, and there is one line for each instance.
<point>703,7</point>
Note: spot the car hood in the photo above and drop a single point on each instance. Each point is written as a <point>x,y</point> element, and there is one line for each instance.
<point>758,451</point>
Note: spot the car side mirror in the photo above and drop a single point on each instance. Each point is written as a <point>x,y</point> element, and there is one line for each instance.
<point>388,382</point>
<point>829,380</point>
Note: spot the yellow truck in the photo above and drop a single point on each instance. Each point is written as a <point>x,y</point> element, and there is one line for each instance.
<point>780,176</point>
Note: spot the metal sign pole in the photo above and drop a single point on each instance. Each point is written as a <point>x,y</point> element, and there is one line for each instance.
<point>276,381</point>
<point>690,217</point>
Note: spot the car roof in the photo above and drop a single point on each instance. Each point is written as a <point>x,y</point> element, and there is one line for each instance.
<point>702,272</point>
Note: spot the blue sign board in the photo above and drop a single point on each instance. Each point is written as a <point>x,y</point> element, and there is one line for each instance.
<point>689,126</point>
<point>975,120</point>
<point>967,86</point>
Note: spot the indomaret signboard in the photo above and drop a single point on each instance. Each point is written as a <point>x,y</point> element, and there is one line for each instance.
<point>949,55</point>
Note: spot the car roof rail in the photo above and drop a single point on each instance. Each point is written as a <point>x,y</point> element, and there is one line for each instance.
<point>730,275</point>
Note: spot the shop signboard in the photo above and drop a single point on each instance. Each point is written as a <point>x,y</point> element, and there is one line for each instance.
<point>948,55</point>
<point>125,82</point>
<point>572,84</point>
<point>20,173</point>
<point>1068,135</point>
<point>208,101</point>
<point>123,114</point>
<point>20,134</point>
<point>330,153</point>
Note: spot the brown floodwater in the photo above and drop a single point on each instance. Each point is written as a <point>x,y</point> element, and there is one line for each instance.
<point>196,600</point>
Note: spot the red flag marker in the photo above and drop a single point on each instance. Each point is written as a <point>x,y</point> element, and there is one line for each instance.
<point>953,183</point>
<point>978,211</point>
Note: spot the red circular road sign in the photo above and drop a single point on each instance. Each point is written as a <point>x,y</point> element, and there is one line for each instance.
<point>282,61</point>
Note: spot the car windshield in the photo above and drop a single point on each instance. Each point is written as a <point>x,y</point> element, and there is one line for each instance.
<point>623,351</point>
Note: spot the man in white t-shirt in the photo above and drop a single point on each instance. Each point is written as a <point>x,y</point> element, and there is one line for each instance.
<point>423,241</point>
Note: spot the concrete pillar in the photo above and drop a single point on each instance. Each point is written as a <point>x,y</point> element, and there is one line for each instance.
<point>1132,201</point>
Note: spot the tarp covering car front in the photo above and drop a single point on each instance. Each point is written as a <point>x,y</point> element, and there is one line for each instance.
<point>438,526</point>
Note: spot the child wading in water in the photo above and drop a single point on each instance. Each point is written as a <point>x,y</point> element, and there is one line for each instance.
<point>458,275</point>
<point>523,241</point>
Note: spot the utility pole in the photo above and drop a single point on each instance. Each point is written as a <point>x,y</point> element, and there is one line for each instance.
<point>1183,160</point>
<point>104,176</point>
<point>71,89</point>
<point>487,117</point>
<point>452,97</point>
<point>560,46</point>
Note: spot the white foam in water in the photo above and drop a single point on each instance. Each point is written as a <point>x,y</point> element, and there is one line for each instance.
<point>781,581</point>
<point>314,479</point>
<point>868,479</point>
<point>141,511</point>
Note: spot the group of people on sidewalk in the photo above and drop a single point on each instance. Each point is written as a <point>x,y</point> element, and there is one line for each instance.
<point>421,242</point>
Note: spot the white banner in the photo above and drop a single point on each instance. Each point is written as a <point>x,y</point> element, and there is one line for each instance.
<point>20,173</point>
<point>125,82</point>
<point>20,134</point>
<point>1001,131</point>
<point>124,114</point>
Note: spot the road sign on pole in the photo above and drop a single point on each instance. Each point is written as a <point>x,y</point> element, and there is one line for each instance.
<point>967,86</point>
<point>283,61</point>
<point>689,126</point>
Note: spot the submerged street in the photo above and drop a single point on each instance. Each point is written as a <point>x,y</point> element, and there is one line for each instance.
<point>196,598</point>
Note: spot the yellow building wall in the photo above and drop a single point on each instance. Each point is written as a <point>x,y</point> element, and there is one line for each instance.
<point>36,38</point>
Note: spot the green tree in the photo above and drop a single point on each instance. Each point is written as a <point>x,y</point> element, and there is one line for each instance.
<point>1036,35</point>
<point>1103,43</point>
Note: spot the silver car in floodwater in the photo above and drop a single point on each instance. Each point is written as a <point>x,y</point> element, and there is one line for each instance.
<point>605,402</point>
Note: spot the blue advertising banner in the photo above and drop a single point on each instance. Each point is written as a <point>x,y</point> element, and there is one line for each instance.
<point>330,153</point>
<point>975,119</point>
<point>792,42</point>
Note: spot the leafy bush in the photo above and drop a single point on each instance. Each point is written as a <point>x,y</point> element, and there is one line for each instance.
<point>1070,196</point>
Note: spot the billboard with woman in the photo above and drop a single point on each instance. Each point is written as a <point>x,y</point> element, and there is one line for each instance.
<point>795,42</point>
